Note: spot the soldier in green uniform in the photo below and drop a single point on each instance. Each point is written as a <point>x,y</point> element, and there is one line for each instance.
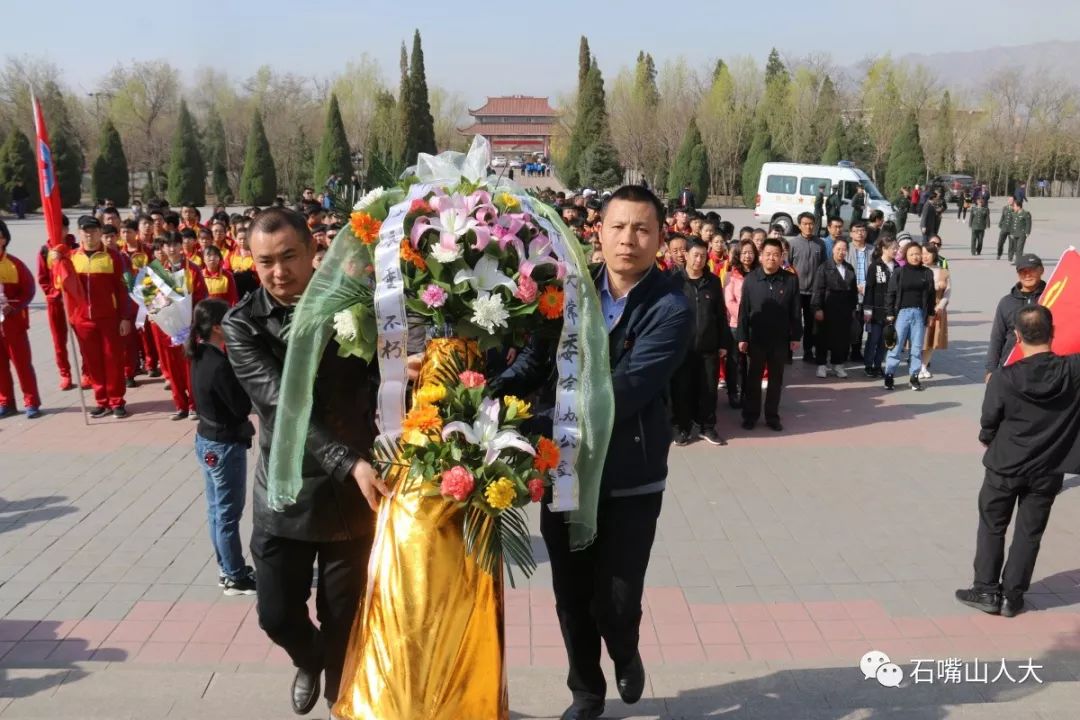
<point>902,205</point>
<point>1004,222</point>
<point>858,205</point>
<point>980,220</point>
<point>819,209</point>
<point>1019,229</point>
<point>833,204</point>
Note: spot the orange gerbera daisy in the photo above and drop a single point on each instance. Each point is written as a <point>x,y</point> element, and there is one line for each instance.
<point>364,227</point>
<point>547,455</point>
<point>410,255</point>
<point>551,303</point>
<point>424,419</point>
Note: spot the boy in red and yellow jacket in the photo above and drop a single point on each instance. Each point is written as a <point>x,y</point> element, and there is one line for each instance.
<point>54,309</point>
<point>16,291</point>
<point>219,282</point>
<point>101,315</point>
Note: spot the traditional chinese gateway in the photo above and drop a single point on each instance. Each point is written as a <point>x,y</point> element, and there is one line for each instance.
<point>514,124</point>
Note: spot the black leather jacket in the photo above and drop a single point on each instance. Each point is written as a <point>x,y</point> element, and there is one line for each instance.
<point>330,506</point>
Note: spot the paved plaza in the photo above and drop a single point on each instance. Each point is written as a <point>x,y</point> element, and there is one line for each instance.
<point>780,561</point>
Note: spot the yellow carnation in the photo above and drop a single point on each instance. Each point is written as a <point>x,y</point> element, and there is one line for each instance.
<point>431,394</point>
<point>509,202</point>
<point>500,494</point>
<point>517,408</point>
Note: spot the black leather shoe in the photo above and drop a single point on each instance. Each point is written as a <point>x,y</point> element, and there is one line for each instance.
<point>775,425</point>
<point>583,711</point>
<point>631,680</point>
<point>1012,608</point>
<point>305,690</point>
<point>748,424</point>
<point>987,602</point>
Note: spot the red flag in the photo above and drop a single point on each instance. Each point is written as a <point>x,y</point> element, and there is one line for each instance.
<point>50,191</point>
<point>1062,297</point>
<point>50,205</point>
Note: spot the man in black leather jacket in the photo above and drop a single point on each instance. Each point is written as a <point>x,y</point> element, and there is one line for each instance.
<point>332,521</point>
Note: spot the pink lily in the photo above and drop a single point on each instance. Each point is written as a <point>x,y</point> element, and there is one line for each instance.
<point>539,253</point>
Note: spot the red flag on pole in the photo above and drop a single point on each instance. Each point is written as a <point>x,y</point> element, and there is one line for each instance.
<point>50,204</point>
<point>1062,297</point>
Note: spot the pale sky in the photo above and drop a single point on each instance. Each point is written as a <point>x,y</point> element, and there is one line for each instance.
<point>494,48</point>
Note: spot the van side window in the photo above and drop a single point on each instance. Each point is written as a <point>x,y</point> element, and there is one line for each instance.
<point>784,184</point>
<point>809,185</point>
<point>850,186</point>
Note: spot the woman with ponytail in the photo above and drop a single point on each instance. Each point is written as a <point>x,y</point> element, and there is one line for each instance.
<point>221,442</point>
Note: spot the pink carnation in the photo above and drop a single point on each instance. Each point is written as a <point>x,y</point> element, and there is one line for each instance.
<point>526,289</point>
<point>434,296</point>
<point>471,379</point>
<point>536,489</point>
<point>458,483</point>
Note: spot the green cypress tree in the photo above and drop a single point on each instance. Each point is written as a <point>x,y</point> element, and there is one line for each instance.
<point>67,153</point>
<point>600,167</point>
<point>760,152</point>
<point>305,163</point>
<point>217,156</point>
<point>18,162</point>
<point>590,126</point>
<point>945,142</point>
<point>585,61</point>
<point>380,155</point>
<point>334,155</point>
<point>187,171</point>
<point>109,178</point>
<point>401,134</point>
<point>686,170</point>
<point>421,125</point>
<point>907,164</point>
<point>834,151</point>
<point>258,183</point>
<point>774,67</point>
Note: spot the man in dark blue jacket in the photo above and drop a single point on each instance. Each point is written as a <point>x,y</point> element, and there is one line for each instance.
<point>598,590</point>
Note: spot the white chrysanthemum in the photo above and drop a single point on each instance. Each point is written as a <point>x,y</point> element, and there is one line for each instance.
<point>345,326</point>
<point>369,199</point>
<point>489,313</point>
<point>444,254</point>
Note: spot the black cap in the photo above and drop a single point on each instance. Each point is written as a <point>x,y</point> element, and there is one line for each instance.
<point>89,221</point>
<point>1029,261</point>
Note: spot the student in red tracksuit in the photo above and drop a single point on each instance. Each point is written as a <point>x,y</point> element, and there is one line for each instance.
<point>101,316</point>
<point>219,282</point>
<point>54,309</point>
<point>190,279</point>
<point>136,243</point>
<point>16,291</point>
<point>110,237</point>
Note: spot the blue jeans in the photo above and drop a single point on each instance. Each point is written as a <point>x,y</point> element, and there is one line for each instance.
<point>874,354</point>
<point>910,325</point>
<point>224,466</point>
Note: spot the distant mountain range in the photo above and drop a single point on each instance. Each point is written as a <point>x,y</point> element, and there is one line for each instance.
<point>968,69</point>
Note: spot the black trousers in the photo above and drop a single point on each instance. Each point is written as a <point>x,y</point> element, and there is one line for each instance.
<point>598,590</point>
<point>809,339</point>
<point>1002,237</point>
<point>833,341</point>
<point>977,241</point>
<point>693,391</point>
<point>283,568</point>
<point>1032,497</point>
<point>761,358</point>
<point>735,370</point>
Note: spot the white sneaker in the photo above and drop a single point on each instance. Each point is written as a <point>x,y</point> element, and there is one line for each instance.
<point>925,374</point>
<point>840,372</point>
<point>823,371</point>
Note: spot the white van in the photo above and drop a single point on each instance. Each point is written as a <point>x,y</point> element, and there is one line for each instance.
<point>786,190</point>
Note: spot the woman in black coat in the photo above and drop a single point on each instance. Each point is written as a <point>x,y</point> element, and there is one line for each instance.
<point>874,309</point>
<point>835,295</point>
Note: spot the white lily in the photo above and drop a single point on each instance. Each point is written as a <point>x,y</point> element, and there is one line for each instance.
<point>485,433</point>
<point>485,277</point>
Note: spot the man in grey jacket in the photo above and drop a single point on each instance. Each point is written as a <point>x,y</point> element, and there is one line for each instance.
<point>807,255</point>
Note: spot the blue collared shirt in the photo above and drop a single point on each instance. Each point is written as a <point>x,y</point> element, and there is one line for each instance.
<point>612,308</point>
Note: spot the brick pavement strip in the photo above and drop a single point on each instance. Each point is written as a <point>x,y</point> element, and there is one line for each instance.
<point>780,559</point>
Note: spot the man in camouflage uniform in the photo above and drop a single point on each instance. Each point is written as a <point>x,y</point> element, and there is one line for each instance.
<point>1004,222</point>
<point>1019,229</point>
<point>902,205</point>
<point>833,204</point>
<point>980,219</point>
<point>819,209</point>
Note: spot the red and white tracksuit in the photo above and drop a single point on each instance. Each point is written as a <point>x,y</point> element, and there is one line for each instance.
<point>95,317</point>
<point>18,286</point>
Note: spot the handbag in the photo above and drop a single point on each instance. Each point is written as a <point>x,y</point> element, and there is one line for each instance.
<point>889,336</point>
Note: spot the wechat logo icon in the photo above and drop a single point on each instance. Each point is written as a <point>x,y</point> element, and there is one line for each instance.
<point>876,665</point>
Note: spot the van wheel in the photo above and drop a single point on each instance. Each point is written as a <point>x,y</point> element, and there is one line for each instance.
<point>785,222</point>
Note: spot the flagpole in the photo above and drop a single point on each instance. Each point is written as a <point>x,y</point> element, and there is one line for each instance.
<point>79,375</point>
